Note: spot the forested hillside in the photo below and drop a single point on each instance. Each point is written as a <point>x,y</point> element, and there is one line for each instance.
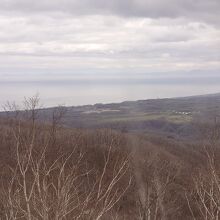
<point>49,171</point>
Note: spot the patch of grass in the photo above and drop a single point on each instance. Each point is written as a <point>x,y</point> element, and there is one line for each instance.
<point>148,117</point>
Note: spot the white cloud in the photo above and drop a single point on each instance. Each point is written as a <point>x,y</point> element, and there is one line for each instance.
<point>120,35</point>
<point>106,42</point>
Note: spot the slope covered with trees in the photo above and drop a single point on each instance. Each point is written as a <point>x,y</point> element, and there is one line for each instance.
<point>53,172</point>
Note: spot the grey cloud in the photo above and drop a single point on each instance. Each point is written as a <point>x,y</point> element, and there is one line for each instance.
<point>201,10</point>
<point>50,34</point>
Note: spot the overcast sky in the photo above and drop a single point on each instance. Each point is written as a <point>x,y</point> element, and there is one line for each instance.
<point>109,37</point>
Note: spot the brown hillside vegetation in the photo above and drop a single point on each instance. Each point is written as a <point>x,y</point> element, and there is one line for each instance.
<point>49,172</point>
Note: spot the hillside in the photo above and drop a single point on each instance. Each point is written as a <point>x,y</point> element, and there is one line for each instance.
<point>173,117</point>
<point>50,171</point>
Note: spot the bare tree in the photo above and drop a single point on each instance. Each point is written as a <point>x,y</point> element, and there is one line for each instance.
<point>154,174</point>
<point>206,193</point>
<point>63,185</point>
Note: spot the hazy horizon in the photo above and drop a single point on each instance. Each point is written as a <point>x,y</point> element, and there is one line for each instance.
<point>73,91</point>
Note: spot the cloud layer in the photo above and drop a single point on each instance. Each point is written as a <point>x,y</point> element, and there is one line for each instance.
<point>118,35</point>
<point>198,9</point>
